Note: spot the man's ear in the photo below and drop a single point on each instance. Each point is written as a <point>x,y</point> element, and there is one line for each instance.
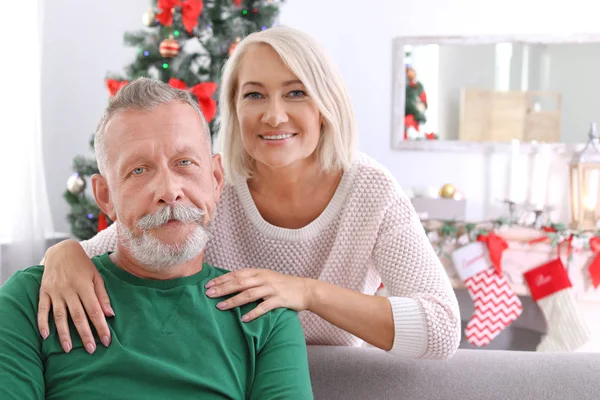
<point>102,196</point>
<point>218,176</point>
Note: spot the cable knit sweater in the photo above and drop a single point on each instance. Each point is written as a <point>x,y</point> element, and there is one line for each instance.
<point>368,234</point>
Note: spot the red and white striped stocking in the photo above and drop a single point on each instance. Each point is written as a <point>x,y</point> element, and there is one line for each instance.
<point>496,304</point>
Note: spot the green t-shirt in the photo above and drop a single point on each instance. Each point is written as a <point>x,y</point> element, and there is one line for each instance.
<point>169,341</point>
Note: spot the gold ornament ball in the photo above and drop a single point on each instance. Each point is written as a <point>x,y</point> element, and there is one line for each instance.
<point>169,48</point>
<point>75,184</point>
<point>448,191</point>
<point>149,17</point>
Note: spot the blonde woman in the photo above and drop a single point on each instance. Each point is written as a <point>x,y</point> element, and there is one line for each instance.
<point>304,222</point>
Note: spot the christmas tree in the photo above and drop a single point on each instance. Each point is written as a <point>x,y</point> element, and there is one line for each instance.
<point>184,43</point>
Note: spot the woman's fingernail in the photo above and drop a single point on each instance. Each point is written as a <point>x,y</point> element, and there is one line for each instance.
<point>66,346</point>
<point>45,334</point>
<point>110,311</point>
<point>245,318</point>
<point>221,305</point>
<point>209,284</point>
<point>210,292</point>
<point>105,341</point>
<point>90,347</point>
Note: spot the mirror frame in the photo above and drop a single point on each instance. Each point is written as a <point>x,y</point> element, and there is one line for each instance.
<point>397,141</point>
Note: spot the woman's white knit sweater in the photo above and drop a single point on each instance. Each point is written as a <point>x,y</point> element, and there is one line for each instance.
<point>368,234</point>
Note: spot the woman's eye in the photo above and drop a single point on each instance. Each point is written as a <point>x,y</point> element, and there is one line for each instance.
<point>185,162</point>
<point>252,95</point>
<point>138,170</point>
<point>297,93</point>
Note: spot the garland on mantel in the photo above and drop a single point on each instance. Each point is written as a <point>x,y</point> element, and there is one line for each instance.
<point>442,233</point>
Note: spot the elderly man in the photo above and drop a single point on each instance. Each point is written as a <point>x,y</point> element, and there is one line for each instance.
<point>160,184</point>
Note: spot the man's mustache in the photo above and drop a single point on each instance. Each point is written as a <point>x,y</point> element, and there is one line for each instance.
<point>184,213</point>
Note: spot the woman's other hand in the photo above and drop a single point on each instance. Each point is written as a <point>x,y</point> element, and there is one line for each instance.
<point>72,286</point>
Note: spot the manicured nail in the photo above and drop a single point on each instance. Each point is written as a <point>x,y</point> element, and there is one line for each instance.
<point>210,292</point>
<point>105,341</point>
<point>45,334</point>
<point>221,305</point>
<point>66,346</point>
<point>209,284</point>
<point>110,310</point>
<point>245,318</point>
<point>90,347</point>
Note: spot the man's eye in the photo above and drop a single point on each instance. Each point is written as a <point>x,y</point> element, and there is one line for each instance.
<point>185,162</point>
<point>138,170</point>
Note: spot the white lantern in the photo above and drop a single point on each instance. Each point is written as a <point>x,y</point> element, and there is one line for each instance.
<point>585,184</point>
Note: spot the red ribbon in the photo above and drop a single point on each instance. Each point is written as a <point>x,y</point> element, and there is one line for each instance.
<point>203,92</point>
<point>594,267</point>
<point>496,246</point>
<point>113,86</point>
<point>190,11</point>
<point>542,238</point>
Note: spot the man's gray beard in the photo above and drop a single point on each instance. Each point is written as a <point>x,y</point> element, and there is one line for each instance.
<point>155,255</point>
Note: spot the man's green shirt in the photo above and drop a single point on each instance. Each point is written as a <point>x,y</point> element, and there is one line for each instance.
<point>169,341</point>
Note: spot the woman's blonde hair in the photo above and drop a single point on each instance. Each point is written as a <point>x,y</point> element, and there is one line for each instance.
<point>309,62</point>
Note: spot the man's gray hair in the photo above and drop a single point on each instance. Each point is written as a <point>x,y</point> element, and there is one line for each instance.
<point>142,94</point>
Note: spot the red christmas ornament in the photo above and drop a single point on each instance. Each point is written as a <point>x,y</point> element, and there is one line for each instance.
<point>169,48</point>
<point>237,2</point>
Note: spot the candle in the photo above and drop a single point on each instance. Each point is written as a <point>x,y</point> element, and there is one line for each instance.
<point>513,184</point>
<point>541,169</point>
<point>591,190</point>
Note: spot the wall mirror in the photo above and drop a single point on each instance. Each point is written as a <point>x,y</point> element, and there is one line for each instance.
<point>459,90</point>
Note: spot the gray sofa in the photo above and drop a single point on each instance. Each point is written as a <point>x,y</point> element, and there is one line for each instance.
<point>366,373</point>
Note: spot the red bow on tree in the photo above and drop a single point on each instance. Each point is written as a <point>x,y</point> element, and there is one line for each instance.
<point>114,86</point>
<point>496,246</point>
<point>594,267</point>
<point>190,11</point>
<point>203,92</point>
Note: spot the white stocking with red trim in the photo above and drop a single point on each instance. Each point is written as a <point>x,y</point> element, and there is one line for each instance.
<point>550,287</point>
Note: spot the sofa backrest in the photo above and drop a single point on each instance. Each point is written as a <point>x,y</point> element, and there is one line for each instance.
<point>366,373</point>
